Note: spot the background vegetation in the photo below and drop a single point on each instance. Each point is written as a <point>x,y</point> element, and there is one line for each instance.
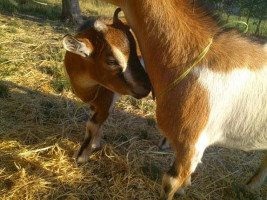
<point>41,125</point>
<point>253,12</point>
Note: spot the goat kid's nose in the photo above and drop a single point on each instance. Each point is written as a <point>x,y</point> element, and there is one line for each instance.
<point>140,92</point>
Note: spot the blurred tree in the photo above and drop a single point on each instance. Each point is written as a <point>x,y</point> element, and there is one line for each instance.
<point>23,1</point>
<point>71,11</point>
<point>249,8</point>
<point>260,12</point>
<point>256,9</point>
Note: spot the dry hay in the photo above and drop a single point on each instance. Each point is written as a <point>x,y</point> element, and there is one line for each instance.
<point>41,127</point>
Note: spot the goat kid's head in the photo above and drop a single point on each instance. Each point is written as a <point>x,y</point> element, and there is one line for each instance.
<point>106,54</point>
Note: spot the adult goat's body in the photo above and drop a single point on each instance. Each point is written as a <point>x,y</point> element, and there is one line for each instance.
<point>222,100</point>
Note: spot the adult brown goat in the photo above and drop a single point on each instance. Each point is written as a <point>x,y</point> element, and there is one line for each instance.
<point>221,101</point>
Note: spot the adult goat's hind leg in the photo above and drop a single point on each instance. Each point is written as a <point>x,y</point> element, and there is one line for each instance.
<point>258,179</point>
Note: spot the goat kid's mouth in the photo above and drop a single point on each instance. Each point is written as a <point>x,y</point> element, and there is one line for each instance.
<point>141,92</point>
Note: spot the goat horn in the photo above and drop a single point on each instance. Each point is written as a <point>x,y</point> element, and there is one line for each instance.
<point>116,15</point>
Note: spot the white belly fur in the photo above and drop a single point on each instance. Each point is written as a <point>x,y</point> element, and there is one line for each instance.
<point>238,108</point>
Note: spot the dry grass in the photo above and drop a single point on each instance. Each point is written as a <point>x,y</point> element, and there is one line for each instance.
<point>41,128</point>
<point>51,9</point>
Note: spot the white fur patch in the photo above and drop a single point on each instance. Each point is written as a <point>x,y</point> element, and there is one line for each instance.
<point>100,26</point>
<point>73,45</point>
<point>142,63</point>
<point>238,112</point>
<point>84,50</point>
<point>97,139</point>
<point>121,58</point>
<point>200,146</point>
<point>92,127</point>
<point>171,181</point>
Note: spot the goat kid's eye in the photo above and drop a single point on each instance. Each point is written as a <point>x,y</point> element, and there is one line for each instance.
<point>112,62</point>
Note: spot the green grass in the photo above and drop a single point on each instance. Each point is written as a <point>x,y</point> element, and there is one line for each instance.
<point>51,10</point>
<point>252,25</point>
<point>59,84</point>
<point>140,104</point>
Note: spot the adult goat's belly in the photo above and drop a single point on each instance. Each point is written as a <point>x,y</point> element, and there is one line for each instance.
<point>238,107</point>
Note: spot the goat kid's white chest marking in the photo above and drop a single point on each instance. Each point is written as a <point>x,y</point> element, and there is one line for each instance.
<point>238,112</point>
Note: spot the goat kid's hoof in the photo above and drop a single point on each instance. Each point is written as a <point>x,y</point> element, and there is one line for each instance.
<point>96,145</point>
<point>80,159</point>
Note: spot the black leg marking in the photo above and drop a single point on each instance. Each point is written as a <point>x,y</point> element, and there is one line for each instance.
<point>89,137</point>
<point>167,189</point>
<point>92,108</point>
<point>173,172</point>
<point>86,143</point>
<point>161,145</point>
<point>93,119</point>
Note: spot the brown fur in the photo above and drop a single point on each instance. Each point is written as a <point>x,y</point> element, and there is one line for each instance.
<point>181,48</point>
<point>94,80</point>
<point>231,51</point>
<point>190,110</point>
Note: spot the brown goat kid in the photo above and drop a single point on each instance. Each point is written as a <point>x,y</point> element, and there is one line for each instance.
<point>222,101</point>
<point>101,60</point>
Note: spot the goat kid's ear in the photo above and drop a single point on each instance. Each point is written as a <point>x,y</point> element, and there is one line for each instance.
<point>73,45</point>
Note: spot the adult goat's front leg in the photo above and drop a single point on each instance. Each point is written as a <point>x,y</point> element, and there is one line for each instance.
<point>178,176</point>
<point>188,155</point>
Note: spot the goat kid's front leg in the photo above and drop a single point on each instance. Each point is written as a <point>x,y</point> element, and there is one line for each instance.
<point>92,139</point>
<point>102,107</point>
<point>258,179</point>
